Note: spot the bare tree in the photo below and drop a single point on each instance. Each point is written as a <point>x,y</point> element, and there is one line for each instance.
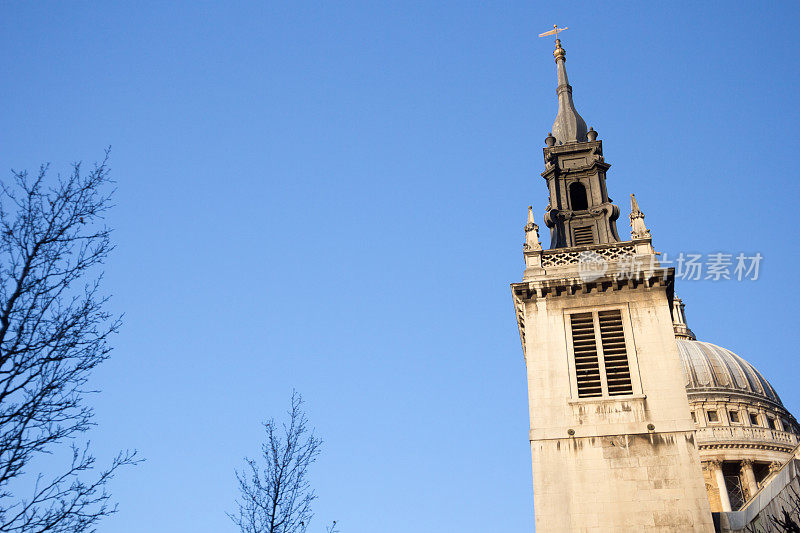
<point>275,495</point>
<point>54,330</point>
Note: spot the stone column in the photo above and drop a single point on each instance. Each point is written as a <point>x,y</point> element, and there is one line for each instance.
<point>749,477</point>
<point>723,489</point>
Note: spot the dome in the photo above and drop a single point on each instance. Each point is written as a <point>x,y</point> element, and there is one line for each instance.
<point>709,368</point>
<point>744,434</point>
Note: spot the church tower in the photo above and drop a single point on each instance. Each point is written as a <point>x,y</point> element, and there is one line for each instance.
<point>612,440</point>
<point>580,211</point>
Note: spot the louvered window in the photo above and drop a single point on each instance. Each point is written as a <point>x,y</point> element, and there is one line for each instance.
<point>587,365</point>
<point>600,353</point>
<point>618,372</point>
<point>583,236</point>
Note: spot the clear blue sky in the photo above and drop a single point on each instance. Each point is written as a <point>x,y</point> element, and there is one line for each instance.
<point>331,196</point>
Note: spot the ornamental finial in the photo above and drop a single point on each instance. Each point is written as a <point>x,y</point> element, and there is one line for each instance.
<point>531,234</point>
<point>638,229</point>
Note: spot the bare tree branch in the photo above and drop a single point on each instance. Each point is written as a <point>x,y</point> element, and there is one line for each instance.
<point>54,331</point>
<point>275,495</point>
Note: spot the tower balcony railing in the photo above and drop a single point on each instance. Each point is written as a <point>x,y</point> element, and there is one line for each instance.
<point>611,251</point>
<point>745,434</point>
<point>572,256</point>
<point>633,255</point>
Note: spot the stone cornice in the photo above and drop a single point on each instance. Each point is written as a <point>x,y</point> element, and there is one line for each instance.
<point>574,285</point>
<point>571,148</point>
<point>746,446</point>
<point>595,165</point>
<point>592,148</point>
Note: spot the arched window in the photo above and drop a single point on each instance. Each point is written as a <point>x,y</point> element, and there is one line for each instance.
<point>577,197</point>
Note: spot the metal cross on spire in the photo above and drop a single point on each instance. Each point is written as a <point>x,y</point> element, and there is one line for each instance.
<point>554,31</point>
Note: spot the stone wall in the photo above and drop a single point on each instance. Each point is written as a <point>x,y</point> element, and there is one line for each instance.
<point>619,483</point>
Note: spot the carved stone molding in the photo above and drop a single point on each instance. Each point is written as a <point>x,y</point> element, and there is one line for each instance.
<point>745,446</point>
<point>572,286</point>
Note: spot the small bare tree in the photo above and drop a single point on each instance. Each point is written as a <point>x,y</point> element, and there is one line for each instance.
<point>53,331</point>
<point>275,495</point>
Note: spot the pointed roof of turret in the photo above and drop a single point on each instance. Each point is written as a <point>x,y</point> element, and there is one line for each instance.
<point>568,126</point>
<point>638,229</point>
<point>682,330</point>
<point>635,206</point>
<point>531,233</point>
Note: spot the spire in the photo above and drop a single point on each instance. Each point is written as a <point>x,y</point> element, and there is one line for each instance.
<point>682,330</point>
<point>569,126</point>
<point>638,229</point>
<point>531,234</point>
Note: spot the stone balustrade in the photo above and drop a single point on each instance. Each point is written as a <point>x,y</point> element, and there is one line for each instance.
<point>745,434</point>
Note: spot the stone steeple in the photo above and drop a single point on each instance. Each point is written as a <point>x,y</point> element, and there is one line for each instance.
<point>569,126</point>
<point>580,212</point>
